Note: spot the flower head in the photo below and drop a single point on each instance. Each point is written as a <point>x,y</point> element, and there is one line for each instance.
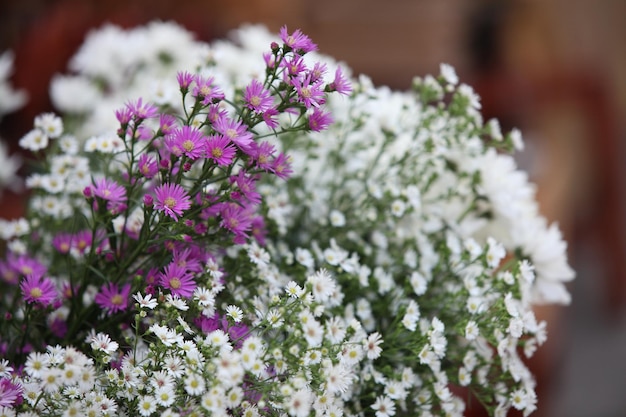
<point>38,290</point>
<point>257,97</point>
<point>112,298</point>
<point>172,199</point>
<point>297,41</point>
<point>178,280</point>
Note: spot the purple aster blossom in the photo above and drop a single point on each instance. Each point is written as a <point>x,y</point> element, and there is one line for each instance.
<point>294,65</point>
<point>297,41</point>
<point>319,120</point>
<point>109,190</point>
<point>124,116</point>
<point>187,259</point>
<point>318,71</point>
<point>215,112</point>
<point>236,132</point>
<point>310,94</point>
<point>187,141</point>
<point>247,185</point>
<point>257,97</point>
<point>171,199</point>
<point>178,280</point>
<point>25,265</point>
<point>236,219</point>
<point>10,393</point>
<point>113,299</point>
<point>62,242</point>
<point>340,84</point>
<point>82,240</point>
<point>167,123</point>
<point>263,155</point>
<point>36,289</point>
<point>184,79</point>
<point>270,118</point>
<point>220,150</point>
<point>147,166</point>
<point>281,166</point>
<point>141,110</point>
<point>206,91</point>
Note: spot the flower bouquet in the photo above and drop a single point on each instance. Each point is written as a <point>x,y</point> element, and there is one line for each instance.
<point>243,228</point>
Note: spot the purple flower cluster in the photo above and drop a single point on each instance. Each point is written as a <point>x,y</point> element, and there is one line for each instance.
<point>179,189</point>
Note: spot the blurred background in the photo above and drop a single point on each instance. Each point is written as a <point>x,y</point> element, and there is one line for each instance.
<point>556,69</point>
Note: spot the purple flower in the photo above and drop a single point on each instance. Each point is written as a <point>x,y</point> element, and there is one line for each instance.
<point>171,199</point>
<point>110,191</point>
<point>310,94</point>
<point>178,280</point>
<point>26,265</point>
<point>319,120</point>
<point>235,131</point>
<point>167,123</point>
<point>141,110</point>
<point>340,84</point>
<point>263,155</point>
<point>62,242</point>
<point>184,79</point>
<point>112,299</point>
<point>220,150</point>
<point>297,41</point>
<point>38,290</point>
<point>187,141</point>
<point>10,393</point>
<point>281,166</point>
<point>247,185</point>
<point>147,165</point>
<point>237,219</point>
<point>206,91</point>
<point>257,98</point>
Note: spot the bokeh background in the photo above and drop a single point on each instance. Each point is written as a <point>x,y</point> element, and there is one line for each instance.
<point>556,69</point>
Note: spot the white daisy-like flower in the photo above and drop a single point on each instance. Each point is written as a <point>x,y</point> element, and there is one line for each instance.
<point>235,313</point>
<point>50,124</point>
<point>34,140</point>
<point>471,330</point>
<point>194,384</point>
<point>384,406</point>
<point>145,301</point>
<point>147,405</point>
<point>102,342</point>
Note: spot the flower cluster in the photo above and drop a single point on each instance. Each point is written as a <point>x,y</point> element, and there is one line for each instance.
<point>241,229</point>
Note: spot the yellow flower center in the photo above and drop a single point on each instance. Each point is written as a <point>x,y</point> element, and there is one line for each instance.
<point>169,202</point>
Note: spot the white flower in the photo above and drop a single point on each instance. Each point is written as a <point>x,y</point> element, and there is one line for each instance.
<point>337,219</point>
<point>384,406</point>
<point>194,384</point>
<point>323,286</point>
<point>147,405</point>
<point>449,74</point>
<point>299,402</point>
<point>495,252</point>
<point>471,330</point>
<point>145,301</point>
<point>372,345</point>
<point>34,140</point>
<point>50,124</point>
<point>235,313</point>
<point>102,342</point>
